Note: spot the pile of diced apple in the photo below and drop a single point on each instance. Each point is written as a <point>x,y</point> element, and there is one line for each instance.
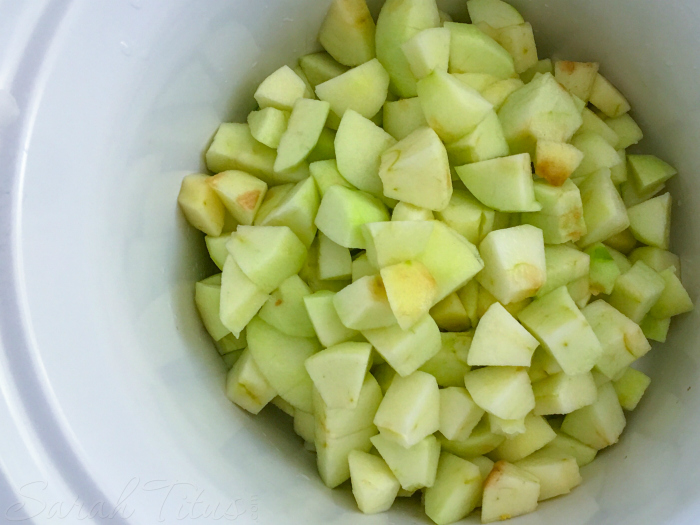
<point>438,257</point>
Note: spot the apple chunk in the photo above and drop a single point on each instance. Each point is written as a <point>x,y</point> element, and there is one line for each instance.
<point>411,291</point>
<point>555,162</point>
<point>201,205</point>
<point>396,241</point>
<point>472,51</point>
<point>305,125</point>
<point>504,391</point>
<point>456,491</point>
<point>427,51</point>
<point>347,32</point>
<point>364,305</point>
<point>241,193</point>
<point>338,373</point>
<point>415,467</point>
<point>598,425</point>
<point>509,491</point>
<point>373,484</point>
<point>561,217</point>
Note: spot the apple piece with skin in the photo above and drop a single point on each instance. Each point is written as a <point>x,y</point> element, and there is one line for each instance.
<point>650,221</point>
<point>495,13</point>
<point>324,318</point>
<point>472,51</point>
<point>456,491</point>
<point>603,209</point>
<point>451,108</point>
<point>268,125</point>
<point>338,373</point>
<point>563,394</point>
<point>540,110</point>
<point>594,124</point>
<point>281,358</point>
<point>674,300</point>
<point>402,117</point>
<point>627,130</point>
<point>416,170</point>
<point>655,329</point>
<point>364,305</point>
<point>555,162</point>
<point>285,309</point>
<point>305,125</point>
<point>557,323</point>
<point>603,269</point>
<point>537,434</point>
<point>449,365</point>
<point>636,291</point>
<point>509,428</point>
<point>450,315</point>
<point>500,340</point>
<point>598,425</point>
<point>201,205</point>
<point>398,22</point>
<point>241,194</point>
<point>415,467</point>
<point>607,98</point>
<point>597,154</point>
<point>564,444</point>
<point>246,386</point>
<point>216,246</point>
<point>374,486</point>
<point>514,263</point>
<point>409,411</point>
<point>280,90</point>
<point>207,297</point>
<point>332,454</point>
<point>359,145</point>
<point>499,92</point>
<point>503,391</point>
<point>334,261</point>
<point>630,388</point>
<point>565,265</point>
<point>577,77</point>
<point>309,90</point>
<point>509,491</point>
<point>234,148</point>
<point>295,206</point>
<point>480,441</point>
<point>241,298</point>
<point>450,259</point>
<point>394,242</point>
<point>459,414</point>
<point>362,267</point>
<point>427,51</point>
<point>484,143</point>
<point>519,41</point>
<point>408,212</point>
<point>656,259</point>
<point>465,215</point>
<point>557,472</point>
<point>326,174</point>
<point>542,67</point>
<point>504,184</point>
<point>320,67</point>
<point>561,217</point>
<point>411,291</point>
<point>347,32</point>
<point>406,350</point>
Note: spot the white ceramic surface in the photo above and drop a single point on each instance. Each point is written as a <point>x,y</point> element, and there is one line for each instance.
<point>111,391</point>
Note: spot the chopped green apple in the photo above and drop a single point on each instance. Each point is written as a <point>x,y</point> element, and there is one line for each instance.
<point>603,269</point>
<point>580,291</point>
<point>241,298</point>
<point>597,154</point>
<point>347,32</point>
<point>519,41</point>
<point>564,444</point>
<point>339,422</point>
<point>484,143</point>
<point>241,193</point>
<point>656,259</point>
<point>201,205</point>
<point>509,491</point>
<point>427,51</point>
<point>268,125</point>
<point>402,117</point>
<point>230,344</point>
<point>630,388</point>
<point>309,90</point>
<point>562,394</point>
<point>631,196</point>
<point>543,66</point>
<point>325,147</point>
<point>320,67</point>
<point>674,299</point>
<point>478,81</point>
<point>384,375</point>
<point>565,265</point>
<point>306,123</point>
<point>622,262</point>
<point>592,123</point>
<point>207,297</point>
<point>216,246</point>
<point>555,161</point>
<point>374,486</point>
<point>416,170</point>
<point>466,215</point>
<point>411,291</point>
<point>459,414</point>
<point>334,261</point>
<point>503,391</point>
<point>338,373</point>
<point>285,308</point>
<point>280,90</point>
<point>556,471</point>
<point>654,329</point>
<point>246,386</point>
<point>449,365</point>
<point>561,217</point>
<point>495,13</point>
<point>607,98</point>
<point>456,491</point>
<point>498,92</point>
<point>326,174</point>
<point>332,454</point>
<point>234,148</point>
<point>450,314</point>
<point>361,267</point>
<point>537,434</point>
<point>325,320</point>
<point>393,242</point>
<point>650,221</point>
<point>472,51</point>
<point>415,467</point>
<point>603,209</point>
<point>598,425</point>
<point>636,291</point>
<point>627,130</point>
<point>408,212</point>
<point>480,441</point>
<point>577,77</point>
<point>364,305</point>
<point>623,242</point>
<point>508,428</point>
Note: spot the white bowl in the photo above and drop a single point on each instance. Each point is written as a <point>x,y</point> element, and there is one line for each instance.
<point>111,390</point>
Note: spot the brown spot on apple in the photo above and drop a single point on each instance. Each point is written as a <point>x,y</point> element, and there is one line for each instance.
<point>278,302</point>
<point>567,66</point>
<point>495,474</point>
<point>248,200</point>
<point>551,171</point>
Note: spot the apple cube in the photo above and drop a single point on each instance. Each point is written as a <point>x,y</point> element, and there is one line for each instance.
<point>623,242</point>
<point>325,147</point>
<point>309,90</point>
<point>627,130</point>
<point>509,491</point>
<point>540,110</point>
<point>631,387</point>
<point>603,209</point>
<point>207,297</point>
<point>362,267</point>
<point>393,242</point>
<point>508,428</point>
<point>338,373</point>
<point>281,358</point>
<point>622,262</point>
<point>459,414</point>
<point>373,484</point>
<point>555,162</point>
<point>563,331</point>
<point>577,77</point>
<point>241,298</point>
<point>427,51</point>
<point>450,315</point>
<point>469,295</point>
<point>674,299</point>
<point>343,212</point>
<point>347,32</point>
<point>504,184</point>
<point>500,340</point>
<point>363,89</point>
<point>201,205</point>
<point>334,261</point>
<point>537,434</point>
<point>561,217</point>
<point>557,472</point>
<point>406,350</point>
<point>478,81</point>
<point>598,425</point>
<point>320,67</point>
<point>295,208</point>
<point>484,143</point>
<point>495,13</point>
<point>230,344</point>
<point>465,215</point>
<point>285,308</point>
<point>564,265</point>
<point>592,123</point>
<point>449,365</point>
<point>409,411</point>
<point>563,394</point>
<point>268,125</point>
<point>230,359</point>
<point>411,291</point>
<point>636,291</point>
<point>519,41</point>
<point>305,125</point>
<point>656,259</point>
<point>655,329</point>
<point>607,98</point>
<point>450,259</point>
<point>631,196</point>
<point>415,467</point>
<point>340,422</point>
<point>542,67</point>
<point>326,322</point>
<point>234,148</point>
<point>498,92</point>
<point>284,406</point>
<point>564,444</point>
<point>332,454</point>
<point>472,51</point>
<point>398,22</point>
<point>650,221</point>
<point>280,90</point>
<point>326,174</point>
<point>503,391</point>
<point>384,375</point>
<point>603,269</point>
<point>402,117</point>
<point>359,145</point>
<point>456,491</point>
<point>480,441</point>
<point>514,263</point>
<point>364,305</point>
<point>216,246</point>
<point>597,154</point>
<point>408,212</point>
<point>417,171</point>
<point>246,386</point>
<point>451,108</point>
<point>241,194</point>
<point>304,424</point>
